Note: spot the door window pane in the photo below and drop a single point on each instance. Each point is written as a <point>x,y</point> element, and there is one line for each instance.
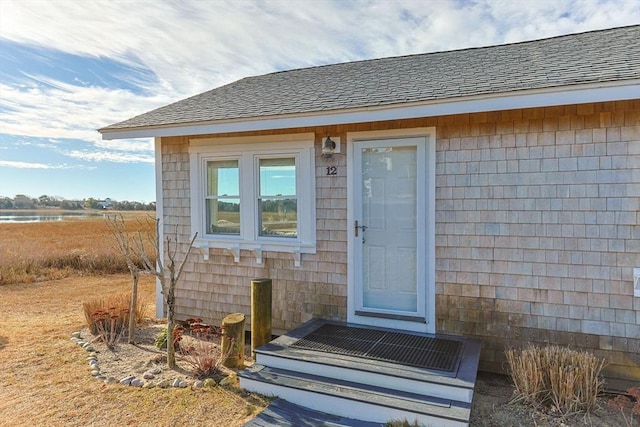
<point>223,197</point>
<point>389,244</point>
<point>277,200</point>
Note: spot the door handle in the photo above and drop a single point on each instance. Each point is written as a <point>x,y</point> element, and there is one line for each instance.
<point>356,227</point>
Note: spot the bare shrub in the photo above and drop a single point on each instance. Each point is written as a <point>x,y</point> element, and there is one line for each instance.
<point>624,404</point>
<point>114,304</point>
<point>199,345</point>
<point>110,325</point>
<point>565,381</point>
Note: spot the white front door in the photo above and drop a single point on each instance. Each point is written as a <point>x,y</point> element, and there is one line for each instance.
<point>389,234</point>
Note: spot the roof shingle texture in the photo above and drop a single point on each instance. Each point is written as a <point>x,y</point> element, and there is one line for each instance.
<point>592,57</point>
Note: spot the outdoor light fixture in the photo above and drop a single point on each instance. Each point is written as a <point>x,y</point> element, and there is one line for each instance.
<point>328,148</point>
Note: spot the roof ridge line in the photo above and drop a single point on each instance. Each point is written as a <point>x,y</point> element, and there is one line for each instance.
<point>560,36</point>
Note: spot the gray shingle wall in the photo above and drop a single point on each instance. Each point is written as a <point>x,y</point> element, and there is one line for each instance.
<point>599,56</point>
<point>537,222</point>
<point>538,215</point>
<point>214,288</point>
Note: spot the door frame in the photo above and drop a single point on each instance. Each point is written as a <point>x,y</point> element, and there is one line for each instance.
<point>428,169</point>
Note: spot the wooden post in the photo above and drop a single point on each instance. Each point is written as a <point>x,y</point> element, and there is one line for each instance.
<point>260,313</point>
<point>233,340</point>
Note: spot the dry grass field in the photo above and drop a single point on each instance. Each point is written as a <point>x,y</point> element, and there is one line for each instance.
<point>44,377</point>
<point>49,250</point>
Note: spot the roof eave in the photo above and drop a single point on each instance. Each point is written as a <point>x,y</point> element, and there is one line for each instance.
<point>547,97</point>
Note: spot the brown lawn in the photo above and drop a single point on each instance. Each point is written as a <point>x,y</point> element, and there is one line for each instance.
<point>44,377</point>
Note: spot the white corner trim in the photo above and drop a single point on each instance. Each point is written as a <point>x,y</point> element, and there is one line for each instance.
<point>159,216</point>
<point>576,94</point>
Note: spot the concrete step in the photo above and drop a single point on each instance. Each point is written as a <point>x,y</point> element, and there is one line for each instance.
<point>356,400</point>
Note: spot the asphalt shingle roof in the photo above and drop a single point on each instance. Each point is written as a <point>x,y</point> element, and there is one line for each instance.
<point>591,57</point>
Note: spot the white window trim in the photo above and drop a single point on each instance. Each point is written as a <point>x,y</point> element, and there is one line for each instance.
<point>248,150</point>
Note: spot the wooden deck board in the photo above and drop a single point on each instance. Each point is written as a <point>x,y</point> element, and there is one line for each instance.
<point>358,387</point>
<point>282,413</point>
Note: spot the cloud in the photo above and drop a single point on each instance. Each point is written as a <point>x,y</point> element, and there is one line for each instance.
<point>31,165</point>
<point>69,67</point>
<point>143,145</point>
<point>61,110</point>
<point>165,51</point>
<point>109,156</point>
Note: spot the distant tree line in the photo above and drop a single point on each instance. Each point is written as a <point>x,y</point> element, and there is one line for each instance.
<point>21,201</point>
<point>285,205</point>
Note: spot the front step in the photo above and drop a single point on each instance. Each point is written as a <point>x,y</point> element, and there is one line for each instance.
<point>363,388</point>
<point>286,414</point>
<point>407,379</point>
<point>352,399</point>
<point>456,386</point>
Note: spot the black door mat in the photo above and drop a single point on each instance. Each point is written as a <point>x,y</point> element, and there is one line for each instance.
<point>406,349</point>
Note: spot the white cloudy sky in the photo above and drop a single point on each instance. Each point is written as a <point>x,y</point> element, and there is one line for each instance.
<point>70,67</point>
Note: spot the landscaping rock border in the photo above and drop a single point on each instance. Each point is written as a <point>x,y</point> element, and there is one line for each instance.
<point>148,378</point>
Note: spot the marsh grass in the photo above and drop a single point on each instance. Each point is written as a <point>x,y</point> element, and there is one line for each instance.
<point>564,380</point>
<point>52,250</point>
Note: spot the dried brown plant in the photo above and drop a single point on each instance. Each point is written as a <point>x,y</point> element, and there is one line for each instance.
<point>563,380</point>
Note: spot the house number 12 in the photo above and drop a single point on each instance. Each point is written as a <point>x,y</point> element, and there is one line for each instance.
<point>332,170</point>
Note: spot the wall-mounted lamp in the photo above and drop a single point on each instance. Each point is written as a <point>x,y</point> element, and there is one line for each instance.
<point>330,147</point>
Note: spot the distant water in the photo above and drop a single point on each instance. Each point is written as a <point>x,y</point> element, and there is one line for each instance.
<point>22,217</point>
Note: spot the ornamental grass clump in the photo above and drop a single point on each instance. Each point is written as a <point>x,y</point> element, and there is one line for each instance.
<point>563,380</point>
<point>117,305</point>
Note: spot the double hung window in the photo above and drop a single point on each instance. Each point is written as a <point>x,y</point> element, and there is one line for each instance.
<point>256,194</point>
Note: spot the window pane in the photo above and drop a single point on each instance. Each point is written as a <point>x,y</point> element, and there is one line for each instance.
<point>279,217</point>
<point>222,199</point>
<point>277,201</point>
<point>223,216</point>
<point>223,178</point>
<point>278,177</point>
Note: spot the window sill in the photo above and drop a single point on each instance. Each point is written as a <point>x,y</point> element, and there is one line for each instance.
<point>234,247</point>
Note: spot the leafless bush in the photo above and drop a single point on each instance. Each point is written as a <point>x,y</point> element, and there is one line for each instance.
<point>110,325</point>
<point>625,404</point>
<point>199,345</point>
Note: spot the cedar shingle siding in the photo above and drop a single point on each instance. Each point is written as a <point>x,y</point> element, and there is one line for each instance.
<point>536,234</point>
